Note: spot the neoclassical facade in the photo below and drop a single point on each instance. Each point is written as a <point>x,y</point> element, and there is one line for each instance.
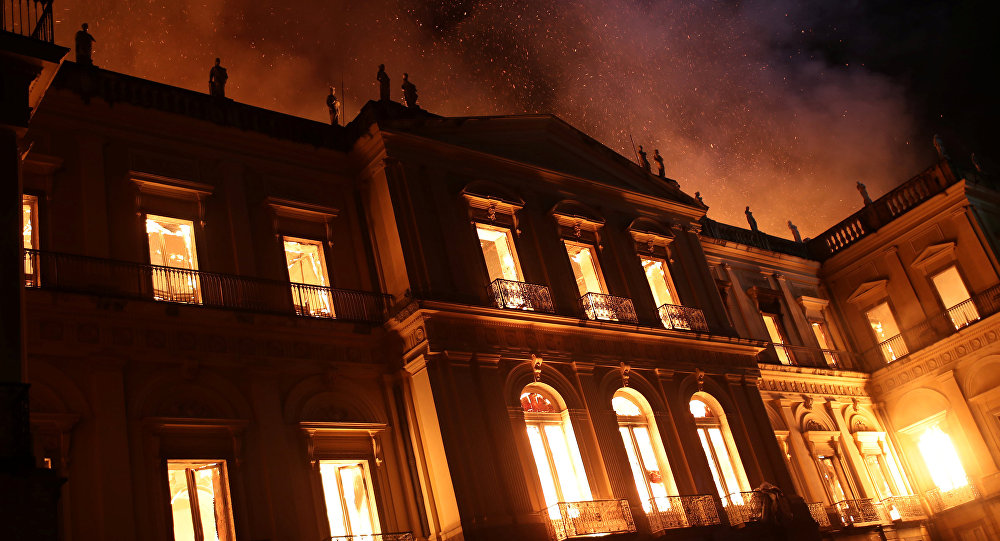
<point>245,325</point>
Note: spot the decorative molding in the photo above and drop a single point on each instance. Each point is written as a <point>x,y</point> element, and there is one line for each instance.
<point>935,256</point>
<point>868,293</point>
<point>813,307</point>
<point>297,210</point>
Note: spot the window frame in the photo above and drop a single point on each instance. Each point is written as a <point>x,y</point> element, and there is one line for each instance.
<point>562,420</point>
<point>645,420</point>
<point>197,295</point>
<point>594,257</point>
<point>841,476</point>
<point>225,492</point>
<point>719,420</point>
<point>965,284</point>
<point>871,330</point>
<point>369,483</point>
<point>668,278</point>
<point>511,244</point>
<point>30,264</point>
<point>782,347</point>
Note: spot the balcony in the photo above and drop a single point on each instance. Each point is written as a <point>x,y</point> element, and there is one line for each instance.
<point>28,18</point>
<point>743,507</point>
<point>682,512</point>
<point>521,296</point>
<point>819,513</point>
<point>81,274</point>
<point>861,512</point>
<point>577,519</point>
<point>399,536</point>
<point>598,306</point>
<point>682,318</point>
<point>942,500</point>
<point>903,508</point>
<point>936,327</point>
<point>804,356</point>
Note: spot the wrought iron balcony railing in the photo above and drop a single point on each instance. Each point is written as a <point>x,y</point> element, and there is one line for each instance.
<point>153,282</point>
<point>29,18</point>
<point>819,513</point>
<point>942,500</point>
<point>397,536</point>
<point>683,318</point>
<point>805,356</point>
<point>743,507</point>
<point>522,296</point>
<point>936,327</point>
<point>861,512</point>
<point>904,508</point>
<point>598,306</point>
<point>575,519</point>
<point>682,512</point>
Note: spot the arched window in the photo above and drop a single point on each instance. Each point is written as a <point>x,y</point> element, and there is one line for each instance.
<point>650,469</point>
<point>717,441</point>
<point>554,447</point>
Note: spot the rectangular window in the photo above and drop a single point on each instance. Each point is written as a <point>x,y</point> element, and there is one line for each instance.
<point>497,245</point>
<point>660,283</point>
<point>886,332</point>
<point>29,231</point>
<point>955,297</point>
<point>175,259</point>
<point>306,265</point>
<point>830,473</point>
<point>876,471</point>
<point>819,330</point>
<point>586,269</point>
<point>777,335</point>
<point>350,505</point>
<point>199,500</point>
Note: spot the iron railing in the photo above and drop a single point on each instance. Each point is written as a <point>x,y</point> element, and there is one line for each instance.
<point>819,513</point>
<point>936,327</point>
<point>599,306</point>
<point>682,512</point>
<point>29,18</point>
<point>683,318</point>
<point>941,500</point>
<point>153,282</point>
<point>522,296</point>
<point>805,356</point>
<point>904,508</point>
<point>574,519</point>
<point>743,507</point>
<point>397,536</point>
<point>860,512</point>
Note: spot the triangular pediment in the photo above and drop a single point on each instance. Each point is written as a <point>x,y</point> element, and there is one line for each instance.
<point>935,255</point>
<point>868,292</point>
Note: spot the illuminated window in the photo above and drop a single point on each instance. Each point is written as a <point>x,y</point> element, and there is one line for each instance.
<point>650,469</point>
<point>886,332</point>
<point>720,450</point>
<point>777,335</point>
<point>29,231</point>
<point>306,265</point>
<point>955,297</point>
<point>832,475</point>
<point>878,473</point>
<point>554,448</point>
<point>172,252</point>
<point>941,459</point>
<point>199,500</point>
<point>347,491</point>
<point>660,283</point>
<point>586,269</point>
<point>497,245</point>
<point>819,331</point>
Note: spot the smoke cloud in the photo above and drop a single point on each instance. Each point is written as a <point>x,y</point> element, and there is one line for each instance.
<point>738,104</point>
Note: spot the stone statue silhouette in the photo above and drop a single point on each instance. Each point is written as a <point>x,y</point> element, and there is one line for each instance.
<point>975,162</point>
<point>409,92</point>
<point>939,146</point>
<point>751,220</point>
<point>659,163</point>
<point>697,195</point>
<point>217,78</point>
<point>864,193</point>
<point>84,46</point>
<point>795,231</point>
<point>383,83</point>
<point>643,162</point>
<point>334,106</point>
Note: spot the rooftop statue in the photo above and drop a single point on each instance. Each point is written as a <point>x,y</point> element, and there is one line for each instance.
<point>383,83</point>
<point>84,46</point>
<point>864,193</point>
<point>939,146</point>
<point>409,92</point>
<point>795,231</point>
<point>217,78</point>
<point>697,195</point>
<point>334,106</point>
<point>659,163</point>
<point>643,162</point>
<point>751,220</point>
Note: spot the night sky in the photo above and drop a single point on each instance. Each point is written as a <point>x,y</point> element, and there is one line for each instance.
<point>779,105</point>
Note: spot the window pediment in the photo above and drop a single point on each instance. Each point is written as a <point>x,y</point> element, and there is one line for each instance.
<point>869,293</point>
<point>935,256</point>
<point>813,307</point>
